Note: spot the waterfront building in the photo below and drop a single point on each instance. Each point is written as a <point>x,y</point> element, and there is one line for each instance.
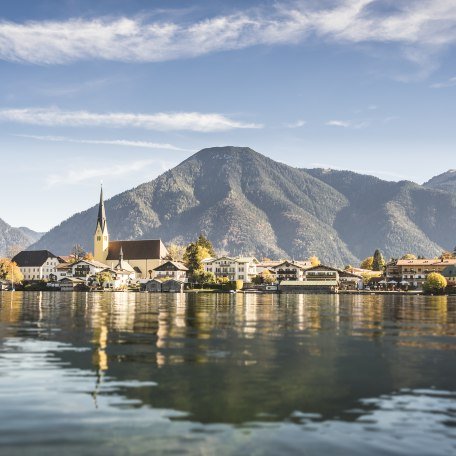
<point>450,275</point>
<point>171,269</point>
<point>415,272</point>
<point>37,264</point>
<point>142,255</point>
<point>240,268</point>
<point>290,270</point>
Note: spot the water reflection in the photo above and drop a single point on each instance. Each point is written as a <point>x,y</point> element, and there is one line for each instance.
<point>291,360</point>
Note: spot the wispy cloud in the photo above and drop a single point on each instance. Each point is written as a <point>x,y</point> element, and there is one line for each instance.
<point>109,142</point>
<point>427,24</point>
<point>191,121</point>
<point>442,85</point>
<point>298,124</point>
<point>76,176</point>
<point>347,124</point>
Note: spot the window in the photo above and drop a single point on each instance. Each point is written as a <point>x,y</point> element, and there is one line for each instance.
<point>98,238</point>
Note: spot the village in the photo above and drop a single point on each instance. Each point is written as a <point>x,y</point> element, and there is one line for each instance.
<point>148,266</point>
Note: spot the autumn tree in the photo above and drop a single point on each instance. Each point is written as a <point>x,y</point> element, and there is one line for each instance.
<point>176,252</point>
<point>367,263</point>
<point>77,253</point>
<point>203,277</point>
<point>378,262</point>
<point>194,256</point>
<point>10,271</point>
<point>314,261</point>
<point>204,242</point>
<point>408,256</point>
<point>88,256</point>
<point>435,283</point>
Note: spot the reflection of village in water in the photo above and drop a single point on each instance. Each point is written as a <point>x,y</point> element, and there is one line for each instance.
<point>251,353</point>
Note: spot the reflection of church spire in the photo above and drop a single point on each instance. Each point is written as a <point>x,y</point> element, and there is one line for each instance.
<point>101,220</point>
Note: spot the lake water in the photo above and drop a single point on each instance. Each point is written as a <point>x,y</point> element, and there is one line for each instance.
<point>214,374</point>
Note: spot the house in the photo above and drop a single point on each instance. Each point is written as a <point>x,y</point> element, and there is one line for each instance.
<point>153,286</point>
<point>71,284</point>
<point>322,279</point>
<point>142,255</point>
<point>415,272</point>
<point>63,270</point>
<point>240,268</point>
<point>83,269</point>
<point>37,264</point>
<point>450,275</point>
<point>171,269</point>
<point>290,270</point>
<point>172,286</point>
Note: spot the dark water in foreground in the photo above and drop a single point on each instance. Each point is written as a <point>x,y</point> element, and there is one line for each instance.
<point>219,374</point>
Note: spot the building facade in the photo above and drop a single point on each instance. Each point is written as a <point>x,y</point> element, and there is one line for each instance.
<point>241,268</point>
<point>37,264</point>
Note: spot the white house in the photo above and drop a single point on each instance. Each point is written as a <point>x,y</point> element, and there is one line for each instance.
<point>37,264</point>
<point>290,270</point>
<point>172,270</point>
<point>241,268</point>
<point>83,269</point>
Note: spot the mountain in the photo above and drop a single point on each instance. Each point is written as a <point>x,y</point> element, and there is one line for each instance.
<point>15,239</point>
<point>247,203</point>
<point>445,181</point>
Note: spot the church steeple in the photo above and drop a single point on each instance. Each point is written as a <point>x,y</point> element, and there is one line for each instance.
<point>101,237</point>
<point>101,220</point>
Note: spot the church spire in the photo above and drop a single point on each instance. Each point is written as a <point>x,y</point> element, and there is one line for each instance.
<point>101,212</point>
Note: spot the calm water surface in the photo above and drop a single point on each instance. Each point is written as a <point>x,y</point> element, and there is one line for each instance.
<point>219,374</point>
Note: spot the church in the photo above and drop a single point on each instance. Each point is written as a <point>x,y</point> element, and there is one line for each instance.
<point>142,255</point>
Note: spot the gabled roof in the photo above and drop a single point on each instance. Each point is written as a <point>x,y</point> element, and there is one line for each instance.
<point>94,263</point>
<point>342,273</point>
<point>33,258</point>
<point>176,266</point>
<point>151,249</point>
<point>287,262</point>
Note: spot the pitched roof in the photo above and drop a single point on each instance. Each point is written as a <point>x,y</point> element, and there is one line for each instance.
<point>177,266</point>
<point>449,271</point>
<point>427,262</point>
<point>291,263</point>
<point>33,258</point>
<point>151,249</point>
<point>95,263</point>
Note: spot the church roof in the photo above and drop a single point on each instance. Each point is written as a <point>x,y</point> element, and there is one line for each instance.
<point>152,249</point>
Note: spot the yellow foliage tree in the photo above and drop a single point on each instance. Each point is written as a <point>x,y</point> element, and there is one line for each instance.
<point>314,261</point>
<point>435,283</point>
<point>9,270</point>
<point>367,263</point>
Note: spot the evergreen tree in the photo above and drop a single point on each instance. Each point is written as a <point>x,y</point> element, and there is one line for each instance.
<point>379,262</point>
<point>204,242</point>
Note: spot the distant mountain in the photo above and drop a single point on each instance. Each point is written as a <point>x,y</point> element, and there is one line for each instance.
<point>247,203</point>
<point>445,181</point>
<point>15,238</point>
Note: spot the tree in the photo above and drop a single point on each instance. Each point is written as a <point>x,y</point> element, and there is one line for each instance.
<point>408,256</point>
<point>77,253</point>
<point>9,270</point>
<point>88,256</point>
<point>314,261</point>
<point>447,256</point>
<point>379,262</point>
<point>193,257</point>
<point>103,277</point>
<point>176,252</point>
<point>204,242</point>
<point>367,263</point>
<point>435,283</point>
<point>204,277</point>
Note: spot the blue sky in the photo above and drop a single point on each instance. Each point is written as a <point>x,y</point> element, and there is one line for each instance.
<point>119,91</point>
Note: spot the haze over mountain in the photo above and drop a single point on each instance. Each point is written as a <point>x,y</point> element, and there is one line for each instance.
<point>15,238</point>
<point>247,203</point>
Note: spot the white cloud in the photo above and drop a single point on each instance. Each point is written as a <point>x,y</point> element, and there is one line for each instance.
<point>442,85</point>
<point>109,142</point>
<point>298,124</point>
<point>76,176</point>
<point>428,24</point>
<point>347,124</point>
<point>192,121</point>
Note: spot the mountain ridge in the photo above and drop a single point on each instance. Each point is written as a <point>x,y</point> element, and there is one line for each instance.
<point>247,203</point>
